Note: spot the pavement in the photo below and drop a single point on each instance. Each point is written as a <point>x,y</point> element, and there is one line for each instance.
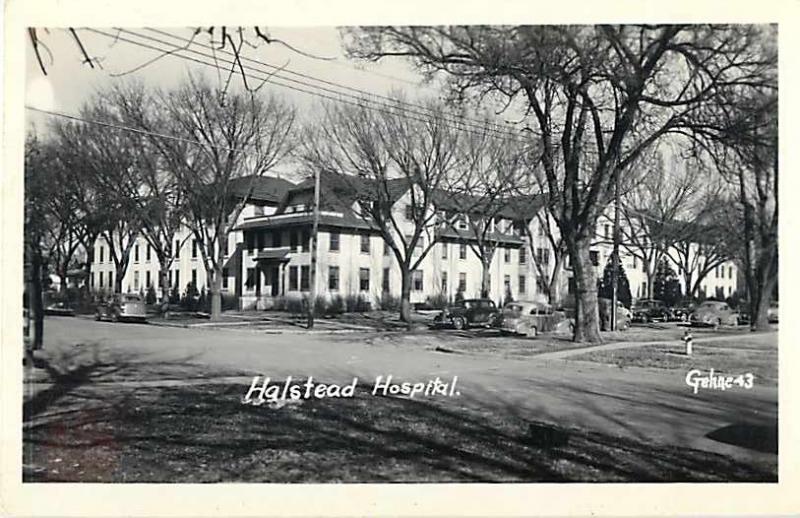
<point>644,404</point>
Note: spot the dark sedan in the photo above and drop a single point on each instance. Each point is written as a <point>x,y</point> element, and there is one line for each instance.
<point>466,313</point>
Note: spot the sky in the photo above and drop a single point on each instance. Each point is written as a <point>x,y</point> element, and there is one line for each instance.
<point>69,82</point>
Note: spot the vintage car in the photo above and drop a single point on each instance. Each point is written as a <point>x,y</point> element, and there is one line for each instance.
<point>466,313</point>
<point>713,313</point>
<point>531,318</point>
<point>651,310</point>
<point>772,312</point>
<point>59,309</point>
<point>623,315</point>
<point>122,307</point>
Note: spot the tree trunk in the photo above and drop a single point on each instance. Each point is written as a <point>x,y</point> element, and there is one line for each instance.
<point>35,303</point>
<point>763,282</point>
<point>554,286</point>
<point>485,276</point>
<point>216,292</point>
<point>405,294</point>
<point>163,282</point>
<point>587,320</point>
<point>119,273</point>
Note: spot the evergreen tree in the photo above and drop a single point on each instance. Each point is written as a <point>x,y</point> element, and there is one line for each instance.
<point>666,286</point>
<point>623,286</point>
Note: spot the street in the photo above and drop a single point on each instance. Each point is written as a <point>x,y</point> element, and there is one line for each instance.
<point>651,406</point>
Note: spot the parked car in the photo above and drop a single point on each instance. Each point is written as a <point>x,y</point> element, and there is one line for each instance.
<point>466,313</point>
<point>713,313</point>
<point>59,309</point>
<point>122,307</point>
<point>624,316</point>
<point>651,310</point>
<point>772,312</point>
<point>681,313</point>
<point>531,318</point>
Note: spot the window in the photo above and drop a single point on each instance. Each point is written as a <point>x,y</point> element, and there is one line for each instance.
<point>305,277</point>
<point>644,289</point>
<point>101,279</point>
<point>363,279</point>
<point>294,241</point>
<point>194,277</point>
<point>444,250</point>
<point>364,243</point>
<point>594,257</point>
<point>293,278</point>
<point>541,285</point>
<point>409,212</point>
<point>462,281</point>
<point>136,253</point>
<point>416,280</point>
<point>102,251</point>
<point>194,248</point>
<point>385,287</point>
<point>543,256</point>
<point>147,279</point>
<point>177,249</point>
<point>110,279</point>
<point>507,255</point>
<point>333,245</point>
<point>635,262</point>
<point>523,255</point>
<point>444,282</point>
<point>306,238</point>
<point>136,280</point>
<point>147,253</point>
<point>522,282</point>
<point>91,280</point>
<point>386,248</point>
<point>178,279</point>
<point>333,278</point>
<point>169,278</point>
<point>507,283</point>
<point>250,238</point>
<point>251,278</point>
<point>607,231</point>
<point>462,251</point>
<point>489,281</point>
<point>462,223</point>
<point>225,275</point>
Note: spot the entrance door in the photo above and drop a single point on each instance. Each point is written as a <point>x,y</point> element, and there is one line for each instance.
<point>273,280</point>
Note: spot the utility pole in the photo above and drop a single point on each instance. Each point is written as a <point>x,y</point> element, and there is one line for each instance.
<point>312,300</point>
<point>615,257</point>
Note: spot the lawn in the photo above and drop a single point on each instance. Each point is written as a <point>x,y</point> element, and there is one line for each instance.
<point>754,354</point>
<point>80,429</point>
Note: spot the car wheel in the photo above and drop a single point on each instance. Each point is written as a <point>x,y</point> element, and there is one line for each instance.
<point>114,316</point>
<point>459,323</point>
<point>97,316</point>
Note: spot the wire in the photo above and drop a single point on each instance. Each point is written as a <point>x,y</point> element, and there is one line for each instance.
<point>481,124</point>
<point>375,105</point>
<point>124,128</point>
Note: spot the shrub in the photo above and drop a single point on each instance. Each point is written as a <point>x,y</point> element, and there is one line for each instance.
<point>336,306</point>
<point>295,305</point>
<point>388,302</point>
<point>150,297</point>
<point>356,303</point>
<point>438,301</point>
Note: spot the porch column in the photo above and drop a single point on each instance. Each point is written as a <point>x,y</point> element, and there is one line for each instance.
<point>258,279</point>
<point>280,277</point>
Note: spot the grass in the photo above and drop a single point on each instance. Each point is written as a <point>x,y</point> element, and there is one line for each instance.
<point>757,355</point>
<point>78,430</point>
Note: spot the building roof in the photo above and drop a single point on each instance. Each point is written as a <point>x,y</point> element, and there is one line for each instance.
<point>267,189</point>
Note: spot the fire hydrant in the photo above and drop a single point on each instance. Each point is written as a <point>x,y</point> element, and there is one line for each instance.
<point>687,339</point>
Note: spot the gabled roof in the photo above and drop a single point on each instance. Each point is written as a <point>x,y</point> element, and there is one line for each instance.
<point>268,189</point>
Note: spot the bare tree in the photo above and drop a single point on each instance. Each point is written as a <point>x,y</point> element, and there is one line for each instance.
<point>384,155</point>
<point>492,170</point>
<point>236,136</point>
<point>599,97</point>
<point>101,161</point>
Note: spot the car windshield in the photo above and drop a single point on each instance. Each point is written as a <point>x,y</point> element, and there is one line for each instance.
<point>513,308</point>
<point>710,305</point>
<point>132,298</point>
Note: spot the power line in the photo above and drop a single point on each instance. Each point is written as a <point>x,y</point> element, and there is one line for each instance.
<point>282,70</point>
<point>375,105</point>
<point>125,128</point>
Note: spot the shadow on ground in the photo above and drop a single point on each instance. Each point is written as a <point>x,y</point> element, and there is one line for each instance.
<point>85,428</point>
